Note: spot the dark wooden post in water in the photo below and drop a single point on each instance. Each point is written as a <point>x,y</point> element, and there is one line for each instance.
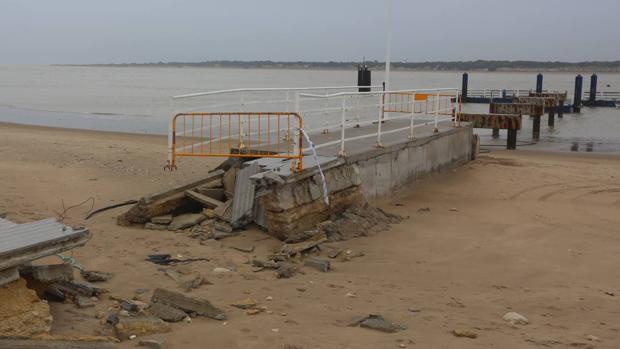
<point>535,126</point>
<point>578,94</point>
<point>539,83</point>
<point>551,118</point>
<point>363,78</point>
<point>593,81</point>
<point>464,87</point>
<point>512,139</point>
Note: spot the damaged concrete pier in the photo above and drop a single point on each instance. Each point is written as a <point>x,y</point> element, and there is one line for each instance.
<point>289,171</point>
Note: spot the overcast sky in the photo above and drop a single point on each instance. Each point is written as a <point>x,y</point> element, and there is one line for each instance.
<point>121,31</point>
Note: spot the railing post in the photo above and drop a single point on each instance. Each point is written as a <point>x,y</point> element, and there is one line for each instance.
<point>382,104</point>
<point>325,115</point>
<point>411,132</point>
<point>436,113</point>
<point>171,165</point>
<point>342,122</point>
<point>288,101</point>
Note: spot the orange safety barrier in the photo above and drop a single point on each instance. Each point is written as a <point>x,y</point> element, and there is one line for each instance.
<point>237,134</point>
<point>401,102</point>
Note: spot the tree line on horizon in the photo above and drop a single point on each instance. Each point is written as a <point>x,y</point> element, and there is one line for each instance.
<point>484,65</point>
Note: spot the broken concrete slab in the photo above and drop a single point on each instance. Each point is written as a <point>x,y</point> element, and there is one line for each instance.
<point>95,276</point>
<point>293,249</point>
<point>74,289</point>
<point>49,273</point>
<point>204,200</point>
<point>215,193</point>
<point>126,327</point>
<point>84,302</point>
<point>247,303</point>
<point>224,212</point>
<point>9,275</point>
<point>165,202</point>
<point>188,304</point>
<point>166,312</point>
<point>54,344</point>
<point>186,220</point>
<point>243,248</point>
<point>318,264</point>
<point>165,219</point>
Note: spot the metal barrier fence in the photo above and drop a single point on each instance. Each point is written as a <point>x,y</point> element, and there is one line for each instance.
<point>237,134</point>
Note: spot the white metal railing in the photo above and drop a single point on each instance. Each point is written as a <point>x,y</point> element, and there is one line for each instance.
<point>322,111</point>
<point>348,110</point>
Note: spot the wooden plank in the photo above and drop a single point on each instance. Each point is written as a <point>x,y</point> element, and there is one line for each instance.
<point>492,121</point>
<point>212,176</point>
<point>203,199</point>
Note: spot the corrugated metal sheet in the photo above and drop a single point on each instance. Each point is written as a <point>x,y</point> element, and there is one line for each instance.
<point>244,195</point>
<point>5,223</point>
<point>21,237</point>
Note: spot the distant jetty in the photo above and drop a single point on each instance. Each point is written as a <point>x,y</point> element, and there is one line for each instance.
<point>479,65</point>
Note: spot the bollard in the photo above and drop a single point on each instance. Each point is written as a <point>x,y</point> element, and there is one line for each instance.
<point>464,87</point>
<point>539,83</point>
<point>536,126</point>
<point>511,143</point>
<point>496,133</point>
<point>363,78</point>
<point>551,118</point>
<point>593,81</point>
<point>578,94</point>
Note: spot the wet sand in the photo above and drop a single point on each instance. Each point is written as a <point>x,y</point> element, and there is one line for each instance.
<point>524,231</point>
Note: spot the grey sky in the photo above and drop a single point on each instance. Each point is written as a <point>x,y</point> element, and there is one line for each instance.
<point>117,31</point>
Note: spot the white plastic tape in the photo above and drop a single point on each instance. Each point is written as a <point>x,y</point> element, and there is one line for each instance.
<point>318,163</point>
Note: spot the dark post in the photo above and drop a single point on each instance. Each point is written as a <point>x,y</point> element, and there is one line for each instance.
<point>578,94</point>
<point>464,87</point>
<point>504,93</point>
<point>496,133</point>
<point>551,119</point>
<point>512,139</point>
<point>539,83</point>
<point>561,108</point>
<point>536,127</point>
<point>363,78</point>
<point>593,81</point>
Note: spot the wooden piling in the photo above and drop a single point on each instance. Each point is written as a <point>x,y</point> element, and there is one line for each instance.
<point>536,126</point>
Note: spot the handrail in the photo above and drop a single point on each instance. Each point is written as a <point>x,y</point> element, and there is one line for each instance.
<point>261,89</point>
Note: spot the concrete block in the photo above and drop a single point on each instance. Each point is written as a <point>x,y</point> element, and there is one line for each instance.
<point>383,174</point>
<point>49,273</point>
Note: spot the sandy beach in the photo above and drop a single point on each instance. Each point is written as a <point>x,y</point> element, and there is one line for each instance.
<point>523,231</point>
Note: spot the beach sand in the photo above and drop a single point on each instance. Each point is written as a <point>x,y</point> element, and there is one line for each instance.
<point>533,233</point>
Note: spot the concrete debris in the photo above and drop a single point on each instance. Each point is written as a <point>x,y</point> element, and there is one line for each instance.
<point>224,212</point>
<point>515,318</point>
<point>243,203</point>
<point>286,270</point>
<point>193,282</point>
<point>295,248</point>
<point>187,304</point>
<point>214,193</point>
<point>204,200</point>
<point>186,220</point>
<point>318,264</point>
<point>165,219</point>
<point>220,270</point>
<point>334,253</point>
<point>166,312</point>
<point>357,220</point>
<point>265,264</point>
<point>464,333</point>
<point>247,303</point>
<point>95,276</point>
<point>223,227</point>
<point>153,226</point>
<point>73,289</point>
<point>151,344</point>
<point>243,248</point>
<point>166,202</point>
<point>378,323</point>
<point>48,273</point>
<point>84,302</point>
<point>128,327</point>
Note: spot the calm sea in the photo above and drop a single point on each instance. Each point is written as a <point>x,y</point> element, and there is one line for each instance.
<point>137,99</point>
